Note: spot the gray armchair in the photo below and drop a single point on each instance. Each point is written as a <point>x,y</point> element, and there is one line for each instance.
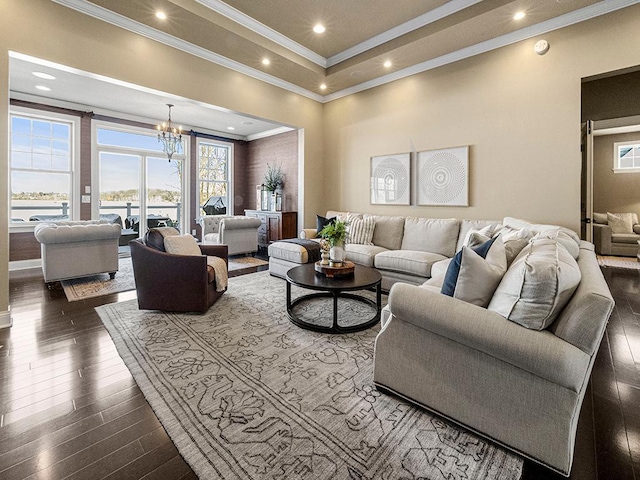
<point>239,233</point>
<point>609,243</point>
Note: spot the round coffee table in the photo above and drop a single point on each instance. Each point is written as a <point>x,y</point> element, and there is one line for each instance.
<point>305,276</point>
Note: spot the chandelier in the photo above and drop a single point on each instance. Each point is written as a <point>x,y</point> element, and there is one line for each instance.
<point>170,137</point>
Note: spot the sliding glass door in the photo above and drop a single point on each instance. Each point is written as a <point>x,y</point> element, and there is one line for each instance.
<point>136,181</point>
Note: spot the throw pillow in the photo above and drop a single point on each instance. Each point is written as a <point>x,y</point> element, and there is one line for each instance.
<point>600,218</point>
<point>563,239</point>
<point>620,222</point>
<point>537,285</point>
<point>360,230</point>
<point>514,241</point>
<point>474,273</point>
<point>478,236</point>
<point>181,245</point>
<point>154,237</point>
<point>322,222</point>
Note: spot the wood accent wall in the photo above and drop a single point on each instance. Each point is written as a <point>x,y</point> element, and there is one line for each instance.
<point>281,150</point>
<point>23,246</point>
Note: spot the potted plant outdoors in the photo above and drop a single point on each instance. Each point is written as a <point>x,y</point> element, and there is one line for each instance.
<point>273,180</point>
<point>336,234</point>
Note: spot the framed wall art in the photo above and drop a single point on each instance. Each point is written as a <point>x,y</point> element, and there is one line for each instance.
<point>443,177</point>
<point>391,179</point>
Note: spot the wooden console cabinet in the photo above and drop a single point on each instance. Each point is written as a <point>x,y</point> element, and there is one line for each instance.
<point>275,225</point>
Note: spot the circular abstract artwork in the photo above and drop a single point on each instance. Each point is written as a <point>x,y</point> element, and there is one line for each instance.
<point>443,178</point>
<point>390,179</point>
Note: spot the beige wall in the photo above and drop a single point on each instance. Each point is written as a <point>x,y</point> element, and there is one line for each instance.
<point>613,192</point>
<point>519,112</point>
<point>50,31</point>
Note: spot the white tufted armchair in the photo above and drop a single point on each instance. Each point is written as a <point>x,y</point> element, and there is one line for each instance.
<point>238,232</point>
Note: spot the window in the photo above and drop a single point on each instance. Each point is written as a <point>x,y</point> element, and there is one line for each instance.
<point>626,157</point>
<point>214,177</point>
<point>135,182</point>
<point>41,167</point>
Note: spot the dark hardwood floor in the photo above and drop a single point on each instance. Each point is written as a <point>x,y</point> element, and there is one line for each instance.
<point>69,408</point>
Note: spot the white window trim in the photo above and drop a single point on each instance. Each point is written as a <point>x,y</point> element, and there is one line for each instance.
<point>95,167</point>
<point>230,169</point>
<point>19,227</point>
<point>616,166</point>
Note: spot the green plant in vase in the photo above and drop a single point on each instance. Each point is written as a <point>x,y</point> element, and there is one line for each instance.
<point>336,234</point>
<point>273,178</point>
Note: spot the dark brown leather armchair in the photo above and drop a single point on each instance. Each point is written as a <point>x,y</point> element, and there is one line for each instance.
<point>174,283</point>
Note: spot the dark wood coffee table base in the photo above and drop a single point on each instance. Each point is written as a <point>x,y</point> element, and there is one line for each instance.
<point>306,277</point>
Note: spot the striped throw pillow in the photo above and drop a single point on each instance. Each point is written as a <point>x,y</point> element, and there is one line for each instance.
<point>361,230</point>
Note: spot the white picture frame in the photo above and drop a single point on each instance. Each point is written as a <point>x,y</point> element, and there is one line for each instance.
<point>442,177</point>
<point>390,179</point>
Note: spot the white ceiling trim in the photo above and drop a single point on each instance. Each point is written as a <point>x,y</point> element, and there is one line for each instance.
<point>267,32</point>
<point>577,16</point>
<point>121,21</point>
<point>268,133</point>
<point>420,21</point>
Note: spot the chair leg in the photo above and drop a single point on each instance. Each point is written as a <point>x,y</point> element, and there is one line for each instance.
<point>112,275</point>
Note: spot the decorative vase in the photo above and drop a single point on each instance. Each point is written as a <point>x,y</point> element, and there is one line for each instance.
<point>336,254</point>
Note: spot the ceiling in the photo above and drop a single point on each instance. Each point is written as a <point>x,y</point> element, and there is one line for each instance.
<point>350,56</point>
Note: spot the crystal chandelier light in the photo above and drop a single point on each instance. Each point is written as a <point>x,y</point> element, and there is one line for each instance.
<point>170,137</point>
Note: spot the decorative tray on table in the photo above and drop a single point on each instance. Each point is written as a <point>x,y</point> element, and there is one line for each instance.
<point>334,270</point>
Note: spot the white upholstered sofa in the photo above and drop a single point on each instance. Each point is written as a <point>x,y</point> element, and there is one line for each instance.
<point>239,233</point>
<point>78,249</point>
<point>620,238</point>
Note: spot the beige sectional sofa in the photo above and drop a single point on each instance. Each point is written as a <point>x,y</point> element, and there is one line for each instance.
<point>514,370</point>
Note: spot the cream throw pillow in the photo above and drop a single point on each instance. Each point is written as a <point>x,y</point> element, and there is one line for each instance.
<point>361,230</point>
<point>537,285</point>
<point>181,245</point>
<point>620,222</point>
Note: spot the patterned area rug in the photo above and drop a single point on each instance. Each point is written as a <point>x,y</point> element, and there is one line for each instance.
<point>629,263</point>
<point>244,394</point>
<point>98,285</point>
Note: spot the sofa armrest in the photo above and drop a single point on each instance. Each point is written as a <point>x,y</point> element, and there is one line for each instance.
<point>308,233</point>
<point>538,352</point>
<point>636,229</point>
<point>602,238</point>
<point>215,251</point>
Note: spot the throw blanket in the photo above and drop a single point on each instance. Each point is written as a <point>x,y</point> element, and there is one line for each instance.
<point>220,269</point>
<point>312,248</point>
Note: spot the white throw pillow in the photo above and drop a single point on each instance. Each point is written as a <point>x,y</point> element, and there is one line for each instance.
<point>474,273</point>
<point>537,285</point>
<point>361,230</point>
<point>514,240</point>
<point>477,236</point>
<point>620,222</point>
<point>181,245</point>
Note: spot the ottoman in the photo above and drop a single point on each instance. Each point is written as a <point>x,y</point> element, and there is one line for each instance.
<point>285,255</point>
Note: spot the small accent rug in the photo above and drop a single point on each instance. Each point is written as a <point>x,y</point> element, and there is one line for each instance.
<point>245,394</point>
<point>629,263</point>
<point>98,285</point>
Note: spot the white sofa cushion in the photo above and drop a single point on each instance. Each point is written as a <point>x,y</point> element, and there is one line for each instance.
<point>362,254</point>
<point>388,231</point>
<point>475,272</point>
<point>411,262</point>
<point>537,285</point>
<point>466,225</point>
<point>435,235</point>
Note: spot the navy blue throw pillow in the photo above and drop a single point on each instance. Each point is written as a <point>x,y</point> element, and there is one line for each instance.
<point>321,222</point>
<point>451,277</point>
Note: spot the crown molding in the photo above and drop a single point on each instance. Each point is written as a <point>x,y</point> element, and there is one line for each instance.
<point>267,32</point>
<point>577,16</point>
<point>269,133</point>
<point>121,21</point>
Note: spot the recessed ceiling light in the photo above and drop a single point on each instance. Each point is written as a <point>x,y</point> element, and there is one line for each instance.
<point>231,128</point>
<point>43,88</point>
<point>161,15</point>
<point>319,28</point>
<point>266,61</point>
<point>387,64</point>
<point>519,16</point>
<point>247,123</point>
<point>46,76</point>
<point>323,86</point>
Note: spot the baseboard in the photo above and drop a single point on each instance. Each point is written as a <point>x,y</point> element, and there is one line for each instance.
<point>5,319</point>
<point>25,264</point>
